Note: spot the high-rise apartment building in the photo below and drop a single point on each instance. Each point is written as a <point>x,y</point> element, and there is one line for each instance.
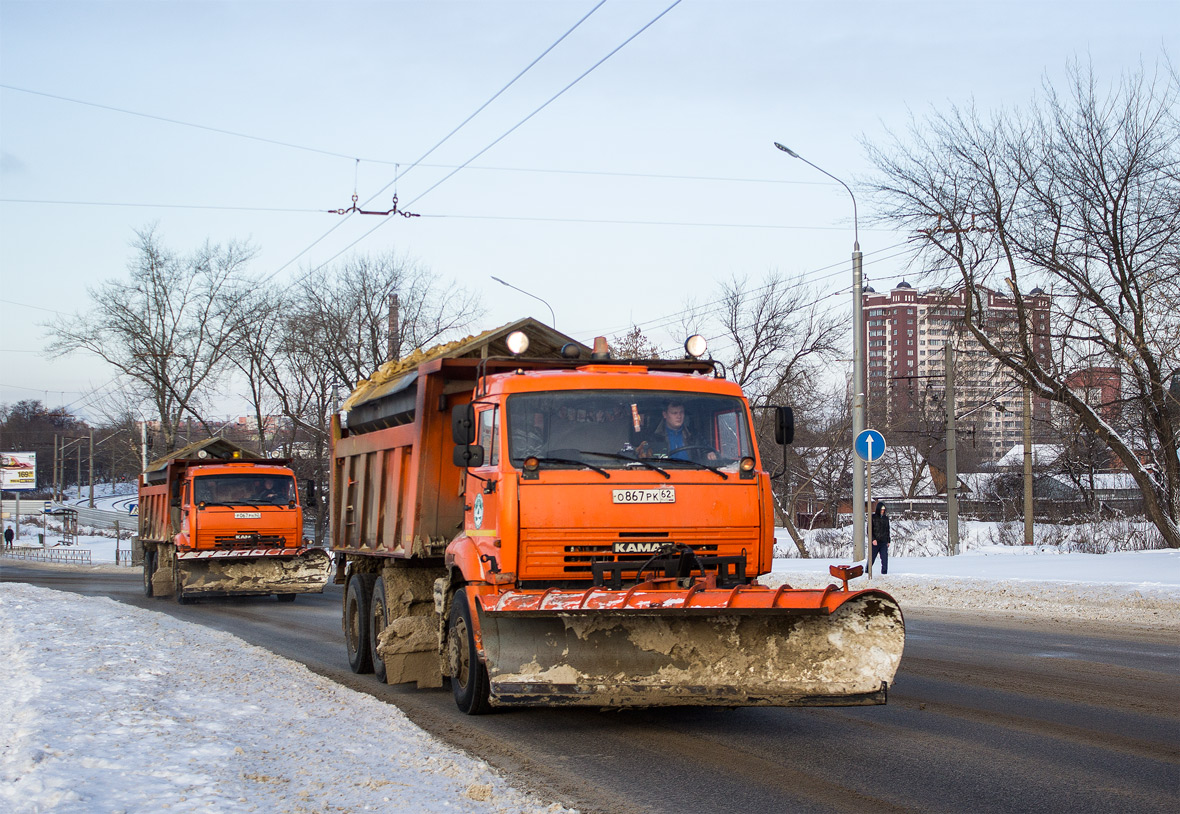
<point>906,333</point>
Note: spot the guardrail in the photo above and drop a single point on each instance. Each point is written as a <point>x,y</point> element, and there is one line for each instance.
<point>77,556</point>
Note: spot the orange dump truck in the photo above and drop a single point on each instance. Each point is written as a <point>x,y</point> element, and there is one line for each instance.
<point>522,521</point>
<point>217,520</point>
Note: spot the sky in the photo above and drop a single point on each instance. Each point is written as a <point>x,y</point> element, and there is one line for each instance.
<point>634,192</point>
<point>127,738</point>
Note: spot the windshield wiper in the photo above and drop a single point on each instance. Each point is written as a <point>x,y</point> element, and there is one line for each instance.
<point>619,457</point>
<point>695,463</point>
<point>547,460</point>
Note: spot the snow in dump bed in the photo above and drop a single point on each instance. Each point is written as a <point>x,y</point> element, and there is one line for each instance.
<point>108,708</point>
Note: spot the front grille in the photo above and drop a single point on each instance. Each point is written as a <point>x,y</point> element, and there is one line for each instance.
<point>571,553</point>
<point>249,540</point>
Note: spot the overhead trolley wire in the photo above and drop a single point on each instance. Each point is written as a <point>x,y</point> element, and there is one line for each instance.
<point>508,132</point>
<point>419,162</point>
<point>398,175</point>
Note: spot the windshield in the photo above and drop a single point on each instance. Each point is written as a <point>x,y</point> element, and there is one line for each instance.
<point>611,428</point>
<point>236,490</point>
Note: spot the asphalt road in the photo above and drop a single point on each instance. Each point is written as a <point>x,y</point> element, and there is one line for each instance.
<point>987,714</point>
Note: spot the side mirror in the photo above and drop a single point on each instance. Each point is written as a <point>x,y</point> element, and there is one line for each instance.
<point>784,425</point>
<point>309,496</point>
<point>463,424</point>
<point>466,455</point>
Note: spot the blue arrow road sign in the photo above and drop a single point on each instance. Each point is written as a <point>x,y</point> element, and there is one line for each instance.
<point>869,445</point>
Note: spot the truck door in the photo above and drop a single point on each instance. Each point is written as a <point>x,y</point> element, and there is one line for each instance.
<point>484,495</point>
<point>186,507</point>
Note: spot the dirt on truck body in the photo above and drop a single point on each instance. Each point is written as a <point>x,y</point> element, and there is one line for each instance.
<point>218,520</point>
<point>546,526</point>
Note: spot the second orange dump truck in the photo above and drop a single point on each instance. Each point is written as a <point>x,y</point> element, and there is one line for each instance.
<point>218,520</point>
<point>513,511</point>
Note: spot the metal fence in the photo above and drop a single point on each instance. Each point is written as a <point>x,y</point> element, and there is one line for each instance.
<point>76,556</point>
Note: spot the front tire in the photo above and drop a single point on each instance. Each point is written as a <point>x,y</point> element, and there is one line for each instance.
<point>357,618</point>
<point>469,675</point>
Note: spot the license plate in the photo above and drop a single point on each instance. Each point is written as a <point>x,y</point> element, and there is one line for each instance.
<point>247,515</point>
<point>667,495</point>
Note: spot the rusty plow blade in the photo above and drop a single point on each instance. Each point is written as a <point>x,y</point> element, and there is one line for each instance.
<point>749,646</point>
<point>247,572</point>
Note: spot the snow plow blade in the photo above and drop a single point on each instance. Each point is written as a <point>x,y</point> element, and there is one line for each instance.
<point>253,572</point>
<point>750,646</point>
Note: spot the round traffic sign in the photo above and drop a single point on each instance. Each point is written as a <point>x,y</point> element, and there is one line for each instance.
<point>869,445</point>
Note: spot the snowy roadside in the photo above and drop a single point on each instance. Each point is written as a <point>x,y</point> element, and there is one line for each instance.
<point>116,709</point>
<point>1140,588</point>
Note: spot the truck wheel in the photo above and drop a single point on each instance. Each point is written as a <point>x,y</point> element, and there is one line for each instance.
<point>285,597</point>
<point>149,570</point>
<point>469,676</point>
<point>378,619</point>
<point>357,616</point>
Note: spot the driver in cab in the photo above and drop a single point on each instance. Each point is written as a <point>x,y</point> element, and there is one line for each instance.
<point>673,439</point>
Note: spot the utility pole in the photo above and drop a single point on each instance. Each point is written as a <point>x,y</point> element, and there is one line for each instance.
<point>92,472</point>
<point>952,464</point>
<point>394,326</point>
<point>1028,468</point>
<point>859,365</point>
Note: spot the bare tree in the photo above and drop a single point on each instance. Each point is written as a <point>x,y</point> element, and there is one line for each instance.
<point>350,304</point>
<point>333,328</point>
<point>633,345</point>
<point>775,334</point>
<point>169,328</point>
<point>1080,194</point>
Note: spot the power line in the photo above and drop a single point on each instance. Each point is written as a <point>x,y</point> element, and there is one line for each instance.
<point>397,175</point>
<point>419,162</point>
<point>159,205</point>
<point>529,218</point>
<point>219,130</point>
<point>504,135</point>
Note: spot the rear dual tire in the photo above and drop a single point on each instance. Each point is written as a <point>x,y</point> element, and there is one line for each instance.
<point>358,603</point>
<point>149,571</point>
<point>378,619</point>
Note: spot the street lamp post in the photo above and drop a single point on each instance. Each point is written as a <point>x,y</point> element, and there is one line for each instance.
<point>858,367</point>
<point>552,317</point>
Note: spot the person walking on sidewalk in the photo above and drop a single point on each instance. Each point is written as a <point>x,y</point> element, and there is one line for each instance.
<point>881,537</point>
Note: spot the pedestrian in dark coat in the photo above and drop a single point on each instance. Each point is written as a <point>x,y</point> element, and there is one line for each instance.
<point>881,537</point>
<point>8,536</point>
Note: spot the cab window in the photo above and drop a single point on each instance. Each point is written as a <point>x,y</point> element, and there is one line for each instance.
<point>489,435</point>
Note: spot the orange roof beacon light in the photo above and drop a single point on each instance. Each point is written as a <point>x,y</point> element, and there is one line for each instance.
<point>601,348</point>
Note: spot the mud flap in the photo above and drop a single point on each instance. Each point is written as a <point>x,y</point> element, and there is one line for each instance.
<point>251,576</point>
<point>722,657</point>
<point>409,644</point>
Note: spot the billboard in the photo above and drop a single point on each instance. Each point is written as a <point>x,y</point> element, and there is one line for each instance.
<point>18,470</point>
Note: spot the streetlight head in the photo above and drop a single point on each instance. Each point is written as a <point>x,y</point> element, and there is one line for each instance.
<point>787,150</point>
<point>497,279</point>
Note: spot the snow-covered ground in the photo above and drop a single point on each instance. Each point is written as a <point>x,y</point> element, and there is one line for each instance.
<point>111,708</point>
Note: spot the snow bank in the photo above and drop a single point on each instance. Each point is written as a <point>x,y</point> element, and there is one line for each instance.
<point>115,709</point>
<point>1141,587</point>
